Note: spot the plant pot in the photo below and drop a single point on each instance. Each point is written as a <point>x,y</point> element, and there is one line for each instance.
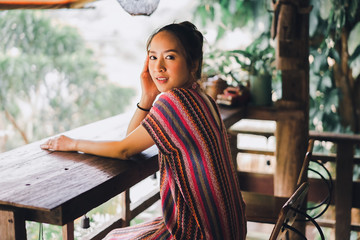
<point>260,90</point>
<point>215,86</point>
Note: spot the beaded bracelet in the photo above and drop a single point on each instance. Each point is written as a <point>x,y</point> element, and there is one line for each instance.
<point>143,109</point>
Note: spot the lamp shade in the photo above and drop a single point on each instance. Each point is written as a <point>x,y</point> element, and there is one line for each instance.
<point>139,7</point>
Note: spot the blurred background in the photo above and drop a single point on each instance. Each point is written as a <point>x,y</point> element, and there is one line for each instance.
<point>60,69</point>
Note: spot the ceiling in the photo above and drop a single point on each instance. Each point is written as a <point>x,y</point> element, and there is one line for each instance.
<point>42,4</point>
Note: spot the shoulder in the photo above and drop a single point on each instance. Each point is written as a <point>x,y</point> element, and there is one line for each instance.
<point>180,94</point>
<point>175,95</point>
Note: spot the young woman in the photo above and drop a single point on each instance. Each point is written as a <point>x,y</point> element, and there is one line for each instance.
<point>200,193</point>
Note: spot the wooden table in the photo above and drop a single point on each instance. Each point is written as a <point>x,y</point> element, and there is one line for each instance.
<point>58,187</point>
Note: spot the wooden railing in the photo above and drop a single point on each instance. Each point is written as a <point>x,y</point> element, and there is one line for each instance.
<point>346,192</point>
<point>59,187</point>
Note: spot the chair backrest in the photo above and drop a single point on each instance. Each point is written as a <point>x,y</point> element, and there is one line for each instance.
<point>304,169</point>
<point>289,212</point>
<point>303,177</point>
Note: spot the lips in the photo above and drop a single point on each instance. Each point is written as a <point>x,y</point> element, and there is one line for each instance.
<point>162,79</point>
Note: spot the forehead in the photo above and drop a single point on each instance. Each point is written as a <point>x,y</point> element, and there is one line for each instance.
<point>164,41</point>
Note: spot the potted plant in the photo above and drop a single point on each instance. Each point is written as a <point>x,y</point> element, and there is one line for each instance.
<point>252,65</point>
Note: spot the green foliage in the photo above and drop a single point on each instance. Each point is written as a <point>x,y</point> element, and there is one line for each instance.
<point>227,15</point>
<point>49,78</point>
<point>259,56</point>
<point>354,50</point>
<point>324,96</point>
<point>327,20</point>
<point>39,231</point>
<point>330,17</point>
<point>256,59</point>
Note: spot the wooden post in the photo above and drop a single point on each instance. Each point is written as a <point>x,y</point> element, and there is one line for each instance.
<point>343,186</point>
<point>125,207</point>
<point>68,231</point>
<point>12,226</point>
<point>233,147</point>
<point>292,59</point>
<point>292,53</point>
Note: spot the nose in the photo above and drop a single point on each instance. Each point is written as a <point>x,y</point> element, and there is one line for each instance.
<point>160,65</point>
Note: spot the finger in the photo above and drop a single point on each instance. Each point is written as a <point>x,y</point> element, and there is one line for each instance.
<point>44,146</point>
<point>146,64</point>
<point>47,145</point>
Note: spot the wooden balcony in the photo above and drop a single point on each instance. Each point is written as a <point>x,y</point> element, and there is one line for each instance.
<point>57,188</point>
<point>346,192</point>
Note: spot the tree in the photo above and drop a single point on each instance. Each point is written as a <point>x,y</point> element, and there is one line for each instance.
<point>334,50</point>
<point>335,75</point>
<point>49,81</point>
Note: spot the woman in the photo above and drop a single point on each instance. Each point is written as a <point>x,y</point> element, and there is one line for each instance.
<point>200,194</point>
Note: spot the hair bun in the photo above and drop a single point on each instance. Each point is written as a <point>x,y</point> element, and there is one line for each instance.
<point>188,24</point>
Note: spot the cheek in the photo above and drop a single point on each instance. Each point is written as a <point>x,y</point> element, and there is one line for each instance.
<point>151,70</point>
<point>180,68</point>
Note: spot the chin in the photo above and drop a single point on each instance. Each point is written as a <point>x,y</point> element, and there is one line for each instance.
<point>163,89</point>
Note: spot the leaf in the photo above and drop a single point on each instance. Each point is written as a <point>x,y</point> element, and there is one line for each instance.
<point>326,81</point>
<point>353,9</point>
<point>313,19</point>
<point>324,9</point>
<point>354,39</point>
<point>314,81</point>
<point>331,99</point>
<point>355,67</point>
<point>333,53</point>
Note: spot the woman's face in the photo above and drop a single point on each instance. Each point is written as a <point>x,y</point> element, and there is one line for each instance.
<point>167,63</point>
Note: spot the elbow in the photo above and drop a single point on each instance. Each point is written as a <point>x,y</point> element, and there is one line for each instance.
<point>123,155</point>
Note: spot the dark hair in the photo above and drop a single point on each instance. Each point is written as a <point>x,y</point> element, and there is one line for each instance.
<point>191,40</point>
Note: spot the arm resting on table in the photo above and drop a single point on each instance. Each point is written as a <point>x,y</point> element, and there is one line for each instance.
<point>136,142</point>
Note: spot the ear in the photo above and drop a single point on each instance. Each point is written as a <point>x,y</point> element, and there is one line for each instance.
<point>195,68</point>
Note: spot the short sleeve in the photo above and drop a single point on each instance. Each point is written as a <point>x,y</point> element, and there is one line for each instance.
<point>161,121</point>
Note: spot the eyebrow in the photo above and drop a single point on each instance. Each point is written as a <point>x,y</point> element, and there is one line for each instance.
<point>166,51</point>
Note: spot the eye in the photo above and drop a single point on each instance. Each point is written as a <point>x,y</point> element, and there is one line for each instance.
<point>152,57</point>
<point>170,57</point>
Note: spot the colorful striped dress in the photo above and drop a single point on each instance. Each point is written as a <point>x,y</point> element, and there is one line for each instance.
<point>200,194</point>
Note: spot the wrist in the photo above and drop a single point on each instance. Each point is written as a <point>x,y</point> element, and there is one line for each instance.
<point>142,109</point>
<point>145,103</point>
<point>75,145</point>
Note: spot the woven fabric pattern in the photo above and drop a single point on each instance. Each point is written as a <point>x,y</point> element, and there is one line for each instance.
<point>200,193</point>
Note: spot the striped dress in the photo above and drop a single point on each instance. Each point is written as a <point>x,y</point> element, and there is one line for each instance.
<point>200,194</point>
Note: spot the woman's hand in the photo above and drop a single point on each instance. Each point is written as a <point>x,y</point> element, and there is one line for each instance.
<point>149,89</point>
<point>61,143</point>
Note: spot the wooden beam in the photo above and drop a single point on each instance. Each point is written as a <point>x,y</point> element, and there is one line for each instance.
<point>263,183</point>
<point>144,203</point>
<point>101,231</point>
<point>125,207</point>
<point>68,231</point>
<point>12,225</point>
<point>42,4</point>
<point>343,195</point>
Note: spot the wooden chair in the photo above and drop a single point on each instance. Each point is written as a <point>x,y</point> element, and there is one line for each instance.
<point>290,212</point>
<point>282,211</point>
<point>303,177</point>
<point>265,208</point>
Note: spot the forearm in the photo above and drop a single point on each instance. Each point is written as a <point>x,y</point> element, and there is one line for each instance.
<point>112,149</point>
<point>134,143</point>
<point>141,112</point>
<point>135,121</point>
